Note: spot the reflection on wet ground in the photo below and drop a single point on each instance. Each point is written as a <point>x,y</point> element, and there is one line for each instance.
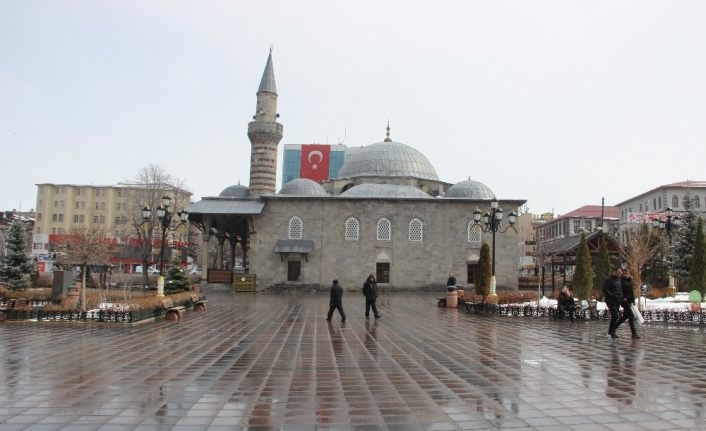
<point>271,362</point>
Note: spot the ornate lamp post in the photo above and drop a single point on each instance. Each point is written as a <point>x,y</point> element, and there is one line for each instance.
<point>491,223</point>
<point>666,225</point>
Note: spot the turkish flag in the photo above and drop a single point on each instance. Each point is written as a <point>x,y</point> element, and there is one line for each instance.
<point>315,162</point>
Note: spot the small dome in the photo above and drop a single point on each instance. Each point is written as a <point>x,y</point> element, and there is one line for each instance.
<point>371,190</point>
<point>469,189</point>
<point>236,191</point>
<point>302,187</point>
<point>388,159</point>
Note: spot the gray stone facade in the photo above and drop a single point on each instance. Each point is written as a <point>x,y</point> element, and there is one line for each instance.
<point>413,264</point>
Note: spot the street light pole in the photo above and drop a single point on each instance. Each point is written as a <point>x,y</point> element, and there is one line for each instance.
<point>666,226</point>
<point>165,220</point>
<point>491,223</point>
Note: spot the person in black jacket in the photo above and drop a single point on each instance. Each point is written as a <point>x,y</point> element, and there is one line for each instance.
<point>451,283</point>
<point>613,296</point>
<point>566,303</point>
<point>336,301</point>
<point>627,302</point>
<point>370,290</point>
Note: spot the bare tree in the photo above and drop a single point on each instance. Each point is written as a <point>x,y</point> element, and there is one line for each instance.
<point>146,190</point>
<point>641,246</point>
<point>86,246</point>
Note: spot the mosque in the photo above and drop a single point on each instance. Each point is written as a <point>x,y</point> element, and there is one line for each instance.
<point>387,213</point>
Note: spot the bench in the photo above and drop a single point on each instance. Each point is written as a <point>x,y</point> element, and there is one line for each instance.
<point>174,313</point>
<point>198,303</point>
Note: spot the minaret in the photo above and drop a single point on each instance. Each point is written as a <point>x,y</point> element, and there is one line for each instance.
<point>264,133</point>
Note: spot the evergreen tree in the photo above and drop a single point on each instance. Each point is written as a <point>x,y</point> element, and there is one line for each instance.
<point>17,265</point>
<point>583,277</point>
<point>485,271</point>
<point>698,272</point>
<point>176,279</point>
<point>684,239</point>
<point>602,265</point>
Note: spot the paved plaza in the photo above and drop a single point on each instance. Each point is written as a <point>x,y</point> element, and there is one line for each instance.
<point>272,362</point>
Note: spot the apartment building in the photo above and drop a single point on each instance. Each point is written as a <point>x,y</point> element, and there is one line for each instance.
<point>63,207</point>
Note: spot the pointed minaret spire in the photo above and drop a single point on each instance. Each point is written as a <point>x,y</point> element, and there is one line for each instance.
<point>264,133</point>
<point>267,83</point>
<point>387,139</point>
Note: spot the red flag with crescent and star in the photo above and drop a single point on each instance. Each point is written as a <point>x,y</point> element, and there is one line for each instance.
<point>315,162</point>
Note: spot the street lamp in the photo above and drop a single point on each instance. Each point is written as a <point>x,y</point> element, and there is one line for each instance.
<point>165,219</point>
<point>666,225</point>
<point>491,223</point>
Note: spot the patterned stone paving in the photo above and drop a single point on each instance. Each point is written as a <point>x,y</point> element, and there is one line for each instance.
<point>272,362</point>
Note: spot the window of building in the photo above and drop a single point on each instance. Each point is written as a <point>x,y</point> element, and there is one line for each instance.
<point>659,202</point>
<point>61,217</point>
<point>294,270</point>
<point>577,226</point>
<point>54,217</point>
<point>384,230</point>
<point>75,218</point>
<point>471,269</point>
<point>382,272</point>
<point>119,192</point>
<point>589,225</point>
<point>101,219</point>
<point>56,190</point>
<point>98,205</point>
<point>685,201</point>
<point>640,208</point>
<point>98,192</point>
<point>56,204</point>
<point>296,228</point>
<point>83,205</point>
<point>675,201</point>
<point>697,202</point>
<point>53,231</point>
<point>80,218</point>
<point>416,230</point>
<point>474,232</point>
<point>77,205</point>
<point>352,229</point>
<point>39,216</point>
<point>654,204</point>
<point>118,206</point>
<point>102,205</point>
<point>117,220</point>
<point>78,191</point>
<point>95,219</point>
<point>123,220</point>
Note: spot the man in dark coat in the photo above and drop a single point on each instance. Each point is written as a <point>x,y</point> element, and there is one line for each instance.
<point>613,296</point>
<point>627,302</point>
<point>451,283</point>
<point>566,304</point>
<point>370,290</point>
<point>336,301</point>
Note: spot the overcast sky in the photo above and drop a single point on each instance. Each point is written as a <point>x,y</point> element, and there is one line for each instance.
<point>556,102</point>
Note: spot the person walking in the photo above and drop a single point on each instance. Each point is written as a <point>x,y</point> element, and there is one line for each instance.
<point>627,302</point>
<point>370,290</point>
<point>613,296</point>
<point>336,301</point>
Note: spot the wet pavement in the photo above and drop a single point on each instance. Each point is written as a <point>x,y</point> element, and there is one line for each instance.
<point>272,362</point>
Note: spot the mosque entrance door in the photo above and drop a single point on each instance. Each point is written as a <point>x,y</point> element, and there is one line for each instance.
<point>294,270</point>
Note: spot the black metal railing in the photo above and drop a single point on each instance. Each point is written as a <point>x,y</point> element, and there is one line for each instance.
<point>517,310</point>
<point>38,313</point>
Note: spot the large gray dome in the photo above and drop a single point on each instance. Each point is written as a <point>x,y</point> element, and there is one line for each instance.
<point>371,190</point>
<point>302,187</point>
<point>388,159</point>
<point>469,189</point>
<point>236,191</point>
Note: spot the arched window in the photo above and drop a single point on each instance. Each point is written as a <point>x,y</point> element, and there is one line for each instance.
<point>296,228</point>
<point>474,232</point>
<point>675,201</point>
<point>352,229</point>
<point>697,202</point>
<point>384,230</point>
<point>416,230</point>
